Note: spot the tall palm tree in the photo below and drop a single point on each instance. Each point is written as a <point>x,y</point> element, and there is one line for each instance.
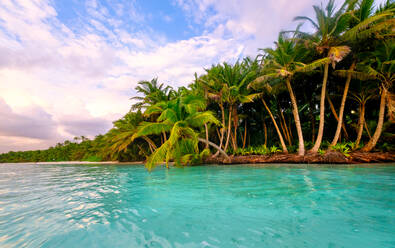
<point>281,64</point>
<point>381,67</point>
<point>181,117</point>
<point>228,84</point>
<point>364,23</point>
<point>214,91</point>
<point>329,24</point>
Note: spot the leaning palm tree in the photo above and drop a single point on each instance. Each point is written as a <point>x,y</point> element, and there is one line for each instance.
<point>182,117</point>
<point>119,138</point>
<point>329,24</point>
<point>281,64</point>
<point>364,23</point>
<point>381,67</point>
<point>267,90</point>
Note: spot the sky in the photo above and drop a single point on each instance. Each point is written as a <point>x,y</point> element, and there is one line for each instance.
<point>69,67</point>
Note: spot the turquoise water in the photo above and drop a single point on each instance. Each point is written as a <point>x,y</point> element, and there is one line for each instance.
<point>205,206</point>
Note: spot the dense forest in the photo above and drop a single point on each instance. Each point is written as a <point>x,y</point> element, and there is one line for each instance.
<point>311,92</point>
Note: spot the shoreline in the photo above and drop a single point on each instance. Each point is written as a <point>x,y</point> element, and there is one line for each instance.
<point>331,157</point>
<point>78,162</point>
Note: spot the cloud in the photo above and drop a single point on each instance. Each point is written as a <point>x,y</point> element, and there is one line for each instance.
<point>35,123</point>
<point>67,82</point>
<point>253,23</point>
<point>75,125</point>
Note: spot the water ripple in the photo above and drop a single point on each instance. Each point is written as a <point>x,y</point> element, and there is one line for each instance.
<point>223,206</point>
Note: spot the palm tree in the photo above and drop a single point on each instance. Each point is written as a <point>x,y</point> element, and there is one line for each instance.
<point>382,68</point>
<point>361,97</point>
<point>228,84</point>
<point>152,92</point>
<point>379,66</point>
<point>267,90</point>
<point>281,64</point>
<point>181,117</point>
<point>214,91</point>
<point>364,23</point>
<point>329,25</point>
<point>120,137</point>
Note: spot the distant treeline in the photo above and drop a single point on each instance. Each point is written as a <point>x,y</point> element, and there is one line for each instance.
<point>80,149</point>
<point>330,89</point>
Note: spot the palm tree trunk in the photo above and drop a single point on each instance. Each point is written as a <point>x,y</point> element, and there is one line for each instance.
<point>360,123</point>
<point>151,144</point>
<point>229,129</point>
<point>290,131</point>
<point>342,105</point>
<point>335,115</point>
<point>283,146</point>
<point>265,130</point>
<point>284,125</point>
<point>322,112</point>
<point>206,128</point>
<point>223,124</point>
<point>216,147</point>
<point>367,129</point>
<point>222,129</point>
<point>296,117</point>
<point>283,130</point>
<point>235,126</point>
<point>245,134</point>
<point>312,119</point>
<point>373,141</point>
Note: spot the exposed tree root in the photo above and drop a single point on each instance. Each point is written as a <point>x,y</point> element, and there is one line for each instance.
<point>330,157</point>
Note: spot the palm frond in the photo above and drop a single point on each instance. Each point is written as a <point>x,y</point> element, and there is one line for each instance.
<point>365,24</point>
<point>337,54</point>
<point>263,78</point>
<point>168,114</point>
<point>313,65</point>
<point>150,128</point>
<point>305,18</point>
<point>155,109</point>
<point>158,156</point>
<point>354,74</point>
<point>201,118</point>
<point>249,98</point>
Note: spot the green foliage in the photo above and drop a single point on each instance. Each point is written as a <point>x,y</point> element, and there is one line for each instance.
<point>344,148</point>
<point>181,117</point>
<point>258,150</point>
<point>85,150</point>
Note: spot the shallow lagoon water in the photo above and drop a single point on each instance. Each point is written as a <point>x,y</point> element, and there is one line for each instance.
<point>203,206</point>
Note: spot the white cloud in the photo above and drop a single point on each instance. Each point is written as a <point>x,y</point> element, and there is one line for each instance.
<point>83,81</point>
<point>254,23</point>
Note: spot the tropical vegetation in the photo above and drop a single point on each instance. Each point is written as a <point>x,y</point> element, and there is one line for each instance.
<point>274,103</point>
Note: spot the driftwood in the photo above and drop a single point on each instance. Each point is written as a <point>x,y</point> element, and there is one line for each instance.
<point>330,157</point>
